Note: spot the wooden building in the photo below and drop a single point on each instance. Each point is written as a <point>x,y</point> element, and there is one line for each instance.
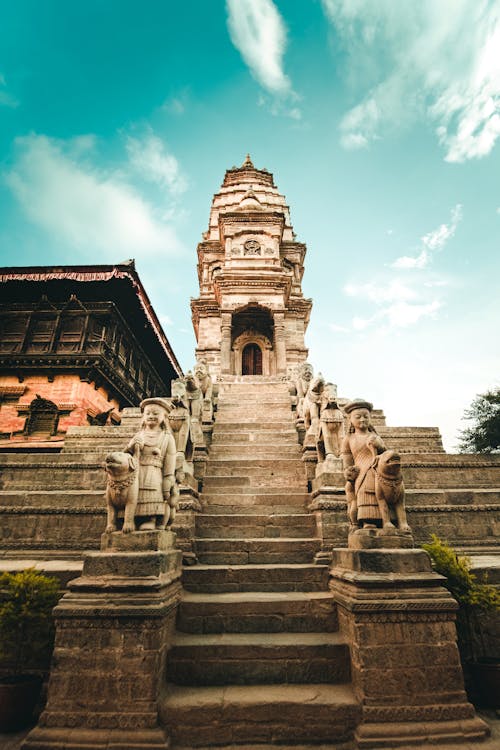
<point>77,344</point>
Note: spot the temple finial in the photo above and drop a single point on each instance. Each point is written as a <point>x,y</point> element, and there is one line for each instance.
<point>248,162</point>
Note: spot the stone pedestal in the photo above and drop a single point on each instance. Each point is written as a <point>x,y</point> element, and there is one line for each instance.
<point>330,508</point>
<point>113,630</point>
<point>185,520</point>
<point>399,622</point>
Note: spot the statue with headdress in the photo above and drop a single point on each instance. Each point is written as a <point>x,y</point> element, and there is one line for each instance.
<point>374,483</point>
<point>154,446</point>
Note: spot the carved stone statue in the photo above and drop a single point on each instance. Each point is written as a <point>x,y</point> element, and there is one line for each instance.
<point>122,489</point>
<point>374,482</point>
<point>179,423</point>
<point>359,448</point>
<point>331,422</point>
<point>304,377</point>
<point>206,386</point>
<point>311,406</point>
<point>195,399</point>
<point>155,447</point>
<point>389,490</point>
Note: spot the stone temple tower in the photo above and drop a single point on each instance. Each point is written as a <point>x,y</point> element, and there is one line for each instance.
<point>251,315</point>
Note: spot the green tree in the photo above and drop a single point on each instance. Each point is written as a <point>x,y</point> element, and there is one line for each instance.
<point>483,434</point>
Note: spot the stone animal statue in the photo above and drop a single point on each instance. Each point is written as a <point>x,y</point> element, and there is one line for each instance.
<point>206,387</point>
<point>179,421</point>
<point>311,406</point>
<point>331,424</point>
<point>304,376</point>
<point>389,489</point>
<point>195,401</point>
<point>122,489</point>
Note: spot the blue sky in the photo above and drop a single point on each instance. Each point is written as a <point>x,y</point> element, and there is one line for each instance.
<point>379,120</point>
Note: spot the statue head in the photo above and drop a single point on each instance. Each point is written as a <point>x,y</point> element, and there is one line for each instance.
<point>306,371</point>
<point>200,370</point>
<point>155,412</point>
<point>359,412</point>
<point>178,388</point>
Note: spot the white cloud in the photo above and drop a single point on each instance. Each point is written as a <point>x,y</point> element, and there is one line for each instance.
<point>420,261</point>
<point>258,32</point>
<point>431,242</point>
<point>338,329</point>
<point>78,204</point>
<point>149,157</point>
<point>436,60</point>
<point>398,315</point>
<point>394,291</point>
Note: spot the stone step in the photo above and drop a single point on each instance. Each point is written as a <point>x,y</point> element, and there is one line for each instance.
<point>248,612</point>
<point>255,437</point>
<point>262,468</point>
<point>257,483</point>
<point>258,658</point>
<point>447,470</point>
<point>265,399</point>
<point>451,496</point>
<point>247,501</point>
<point>251,424</point>
<point>275,451</point>
<point>58,500</point>
<point>274,714</point>
<point>254,577</point>
<point>271,525</point>
<point>54,475</point>
<point>242,414</point>
<point>256,551</point>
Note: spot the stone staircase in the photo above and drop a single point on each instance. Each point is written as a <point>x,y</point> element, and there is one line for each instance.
<point>257,656</point>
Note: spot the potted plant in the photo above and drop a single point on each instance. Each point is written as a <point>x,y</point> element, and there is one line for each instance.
<point>26,641</point>
<point>476,599</point>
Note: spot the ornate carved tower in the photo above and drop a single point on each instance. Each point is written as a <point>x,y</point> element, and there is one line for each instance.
<point>251,315</point>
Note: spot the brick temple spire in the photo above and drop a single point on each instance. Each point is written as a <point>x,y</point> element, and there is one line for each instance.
<point>250,271</point>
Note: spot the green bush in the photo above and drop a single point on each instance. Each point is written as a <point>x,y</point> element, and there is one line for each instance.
<point>27,599</point>
<point>475,598</point>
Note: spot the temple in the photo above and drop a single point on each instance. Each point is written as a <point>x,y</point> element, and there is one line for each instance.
<point>251,315</point>
<point>246,570</point>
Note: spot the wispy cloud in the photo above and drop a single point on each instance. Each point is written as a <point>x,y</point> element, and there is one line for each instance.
<point>258,32</point>
<point>395,304</point>
<point>431,242</point>
<point>6,98</point>
<point>436,60</point>
<point>151,160</point>
<point>61,191</point>
<point>398,315</point>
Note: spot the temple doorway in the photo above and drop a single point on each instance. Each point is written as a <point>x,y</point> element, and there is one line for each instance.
<point>251,360</point>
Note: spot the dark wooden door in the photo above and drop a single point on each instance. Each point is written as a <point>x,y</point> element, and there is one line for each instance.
<point>251,360</point>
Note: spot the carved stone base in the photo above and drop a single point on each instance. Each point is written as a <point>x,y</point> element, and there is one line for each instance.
<point>368,538</point>
<point>113,630</point>
<point>399,622</point>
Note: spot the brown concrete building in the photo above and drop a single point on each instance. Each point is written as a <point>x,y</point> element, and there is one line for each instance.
<point>77,345</point>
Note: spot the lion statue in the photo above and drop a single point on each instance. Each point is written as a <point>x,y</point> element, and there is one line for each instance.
<point>122,490</point>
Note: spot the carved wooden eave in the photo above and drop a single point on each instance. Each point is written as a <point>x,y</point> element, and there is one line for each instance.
<point>99,273</point>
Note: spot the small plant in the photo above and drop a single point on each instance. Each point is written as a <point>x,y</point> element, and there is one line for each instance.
<point>475,598</point>
<point>26,624</point>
